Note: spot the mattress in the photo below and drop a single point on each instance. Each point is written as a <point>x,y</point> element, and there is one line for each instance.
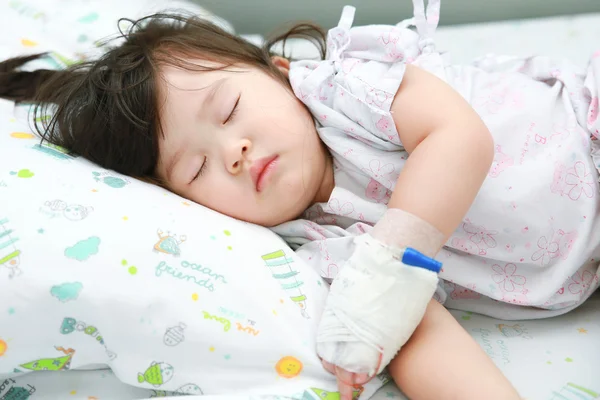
<point>557,358</point>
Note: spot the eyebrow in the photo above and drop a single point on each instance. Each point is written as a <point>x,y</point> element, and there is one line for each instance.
<point>208,99</point>
<point>212,91</point>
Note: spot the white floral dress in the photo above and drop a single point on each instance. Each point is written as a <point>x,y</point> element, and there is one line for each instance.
<point>530,244</point>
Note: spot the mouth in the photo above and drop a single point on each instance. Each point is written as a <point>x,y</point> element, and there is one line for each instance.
<point>261,170</point>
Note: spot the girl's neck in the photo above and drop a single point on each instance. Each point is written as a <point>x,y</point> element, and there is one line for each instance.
<point>328,182</point>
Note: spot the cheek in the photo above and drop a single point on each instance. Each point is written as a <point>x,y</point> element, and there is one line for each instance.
<point>221,194</point>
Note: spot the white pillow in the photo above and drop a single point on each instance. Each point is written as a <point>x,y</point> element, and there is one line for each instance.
<point>100,269</point>
<point>74,28</point>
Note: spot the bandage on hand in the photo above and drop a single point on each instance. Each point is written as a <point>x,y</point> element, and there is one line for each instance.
<point>380,295</point>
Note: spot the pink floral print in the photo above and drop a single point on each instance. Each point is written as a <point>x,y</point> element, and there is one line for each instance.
<point>381,172</point>
<point>480,236</point>
<point>501,162</point>
<point>593,111</point>
<point>376,191</point>
<point>547,250</point>
<point>506,277</point>
<point>573,182</point>
<point>344,209</point>
<point>582,281</point>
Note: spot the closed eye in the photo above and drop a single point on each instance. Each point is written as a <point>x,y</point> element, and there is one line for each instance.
<point>233,110</point>
<point>201,171</point>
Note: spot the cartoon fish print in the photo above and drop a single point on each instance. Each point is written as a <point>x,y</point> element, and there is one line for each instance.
<point>185,390</point>
<point>156,374</point>
<point>189,389</point>
<point>158,393</point>
<point>572,391</point>
<point>52,364</point>
<point>174,335</point>
<point>325,395</point>
<point>169,243</point>
<point>281,269</point>
<point>56,205</point>
<point>110,180</point>
<point>9,254</point>
<point>72,212</point>
<point>77,212</point>
<point>510,330</point>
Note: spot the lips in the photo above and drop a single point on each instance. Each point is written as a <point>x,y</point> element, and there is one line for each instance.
<point>260,171</point>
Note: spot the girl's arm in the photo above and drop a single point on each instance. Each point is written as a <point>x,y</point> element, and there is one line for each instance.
<point>450,149</point>
<point>442,361</point>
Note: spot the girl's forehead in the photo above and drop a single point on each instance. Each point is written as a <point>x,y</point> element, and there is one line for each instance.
<point>177,78</point>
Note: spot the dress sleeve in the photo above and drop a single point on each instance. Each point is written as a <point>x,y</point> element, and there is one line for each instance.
<point>354,87</point>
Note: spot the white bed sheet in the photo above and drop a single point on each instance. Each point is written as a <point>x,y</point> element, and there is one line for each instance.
<point>573,37</point>
<point>550,359</point>
<point>557,358</point>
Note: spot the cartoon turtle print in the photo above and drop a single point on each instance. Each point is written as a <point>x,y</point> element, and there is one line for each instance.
<point>169,243</point>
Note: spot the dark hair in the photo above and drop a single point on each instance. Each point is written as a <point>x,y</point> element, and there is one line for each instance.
<point>107,110</point>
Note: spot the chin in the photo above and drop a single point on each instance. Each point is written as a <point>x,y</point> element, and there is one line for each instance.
<point>280,216</point>
<point>275,220</point>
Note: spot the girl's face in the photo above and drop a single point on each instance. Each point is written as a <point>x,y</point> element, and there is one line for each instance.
<point>239,142</point>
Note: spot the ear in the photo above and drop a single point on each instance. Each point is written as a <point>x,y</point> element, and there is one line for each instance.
<point>283,64</point>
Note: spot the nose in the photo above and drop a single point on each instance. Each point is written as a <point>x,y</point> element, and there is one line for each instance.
<point>236,155</point>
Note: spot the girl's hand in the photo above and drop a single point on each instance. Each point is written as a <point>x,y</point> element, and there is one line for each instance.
<point>348,382</point>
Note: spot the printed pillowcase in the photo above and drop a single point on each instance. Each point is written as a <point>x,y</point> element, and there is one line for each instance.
<point>98,269</point>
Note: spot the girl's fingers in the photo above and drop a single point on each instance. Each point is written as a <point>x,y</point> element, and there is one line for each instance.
<point>345,391</point>
<point>348,381</point>
<point>352,378</point>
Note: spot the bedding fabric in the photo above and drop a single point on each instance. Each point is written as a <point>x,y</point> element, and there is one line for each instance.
<point>100,270</point>
<point>550,359</point>
<point>103,277</point>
